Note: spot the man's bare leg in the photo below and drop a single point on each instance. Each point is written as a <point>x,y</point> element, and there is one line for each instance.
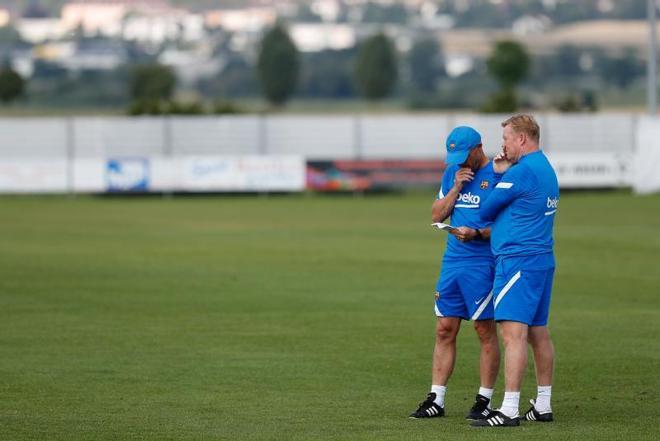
<point>444,355</point>
<point>544,356</point>
<point>514,335</point>
<point>489,365</point>
<point>489,357</point>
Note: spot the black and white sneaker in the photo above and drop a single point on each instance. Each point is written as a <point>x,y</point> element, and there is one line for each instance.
<point>497,419</point>
<point>534,415</point>
<point>428,408</point>
<point>480,409</point>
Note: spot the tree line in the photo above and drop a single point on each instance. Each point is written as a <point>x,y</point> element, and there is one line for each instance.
<point>376,71</point>
<point>373,70</point>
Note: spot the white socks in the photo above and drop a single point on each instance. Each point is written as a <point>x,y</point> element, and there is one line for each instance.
<point>543,395</point>
<point>439,392</point>
<point>511,401</point>
<point>488,393</point>
<point>510,404</point>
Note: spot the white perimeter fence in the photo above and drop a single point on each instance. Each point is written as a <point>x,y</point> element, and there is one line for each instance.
<point>268,153</point>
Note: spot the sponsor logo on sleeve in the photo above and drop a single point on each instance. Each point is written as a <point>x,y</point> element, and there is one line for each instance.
<point>553,205</point>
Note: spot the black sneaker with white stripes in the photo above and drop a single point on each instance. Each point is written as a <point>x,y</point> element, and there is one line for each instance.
<point>497,419</point>
<point>534,415</point>
<point>480,409</point>
<point>428,408</point>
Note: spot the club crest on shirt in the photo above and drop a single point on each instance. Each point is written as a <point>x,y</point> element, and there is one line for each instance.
<point>452,146</point>
<point>484,185</point>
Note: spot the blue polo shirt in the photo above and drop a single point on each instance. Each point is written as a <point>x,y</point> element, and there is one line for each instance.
<point>466,214</point>
<point>523,206</point>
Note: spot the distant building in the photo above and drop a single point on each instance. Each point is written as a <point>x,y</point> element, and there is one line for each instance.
<point>192,65</point>
<point>153,28</point>
<point>4,17</point>
<point>22,61</point>
<point>95,55</point>
<point>314,37</point>
<point>148,21</point>
<point>95,17</point>
<point>241,20</point>
<point>529,25</point>
<point>458,64</point>
<point>328,10</point>
<point>36,30</point>
<point>430,18</point>
<point>54,51</point>
<point>85,55</point>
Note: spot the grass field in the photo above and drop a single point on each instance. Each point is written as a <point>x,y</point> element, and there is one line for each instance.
<point>298,318</point>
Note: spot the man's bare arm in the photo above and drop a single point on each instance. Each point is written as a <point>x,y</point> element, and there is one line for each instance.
<point>442,208</point>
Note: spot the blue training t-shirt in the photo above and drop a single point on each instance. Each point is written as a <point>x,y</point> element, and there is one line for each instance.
<point>523,205</point>
<point>466,214</point>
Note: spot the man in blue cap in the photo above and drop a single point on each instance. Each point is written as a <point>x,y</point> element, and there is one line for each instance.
<point>464,289</point>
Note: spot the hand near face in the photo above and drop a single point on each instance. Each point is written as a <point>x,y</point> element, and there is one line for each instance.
<point>462,176</point>
<point>501,162</point>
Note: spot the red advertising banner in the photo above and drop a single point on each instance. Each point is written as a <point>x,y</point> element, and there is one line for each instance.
<point>375,175</point>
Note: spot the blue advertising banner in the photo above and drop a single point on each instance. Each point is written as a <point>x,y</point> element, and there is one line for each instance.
<point>127,175</point>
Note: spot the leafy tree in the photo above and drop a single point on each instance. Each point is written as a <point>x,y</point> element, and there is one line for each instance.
<point>184,108</point>
<point>568,12</point>
<point>590,100</point>
<point>306,15</point>
<point>621,70</point>
<point>376,67</point>
<point>9,35</point>
<point>328,74</point>
<point>238,79</point>
<point>569,104</point>
<point>380,13</point>
<point>146,107</point>
<point>152,82</point>
<point>630,9</point>
<point>278,66</point>
<point>12,85</point>
<point>504,101</point>
<point>426,65</point>
<point>509,63</point>
<point>226,108</point>
<point>568,61</point>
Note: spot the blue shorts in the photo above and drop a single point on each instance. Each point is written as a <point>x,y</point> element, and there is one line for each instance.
<point>465,292</point>
<point>523,287</point>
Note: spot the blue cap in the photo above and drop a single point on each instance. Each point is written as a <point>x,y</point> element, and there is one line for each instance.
<point>459,143</point>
